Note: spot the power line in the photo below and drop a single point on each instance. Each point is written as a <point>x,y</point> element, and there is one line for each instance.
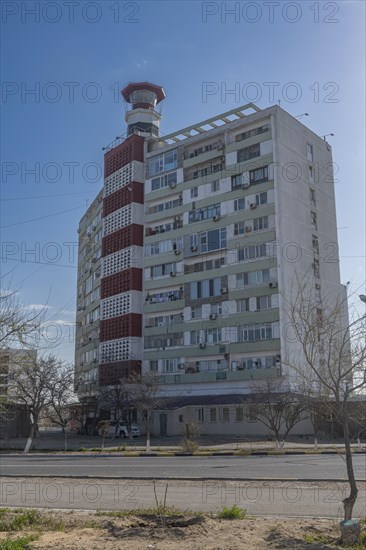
<point>46,196</point>
<point>40,263</point>
<point>41,217</point>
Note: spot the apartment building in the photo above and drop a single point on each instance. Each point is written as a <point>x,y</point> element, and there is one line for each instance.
<point>200,235</point>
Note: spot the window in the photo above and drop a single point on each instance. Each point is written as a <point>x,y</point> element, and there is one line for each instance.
<point>242,305</point>
<point>315,244</point>
<point>264,302</point>
<point>312,197</point>
<point>314,220</point>
<point>193,240</point>
<point>201,414</point>
<point>251,333</point>
<point>162,163</point>
<point>260,223</point>
<point>248,153</point>
<point>309,152</point>
<point>213,335</point>
<point>180,418</point>
<point>213,414</point>
<point>252,278</point>
<point>206,213</point>
<point>195,336</point>
<point>160,270</point>
<point>261,198</point>
<point>88,284</point>
<point>213,240</point>
<point>225,414</point>
<point>194,192</point>
<point>239,414</point>
<point>215,186</point>
<point>259,175</point>
<point>196,312</point>
<point>236,180</point>
<point>311,173</point>
<point>162,247</point>
<point>206,288</point>
<point>154,366</point>
<point>239,204</point>
<point>163,181</point>
<point>253,132</point>
<point>252,252</point>
<point>239,228</point>
<point>316,268</point>
<point>216,309</point>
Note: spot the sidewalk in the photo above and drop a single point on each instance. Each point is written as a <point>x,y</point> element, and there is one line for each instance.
<point>54,441</point>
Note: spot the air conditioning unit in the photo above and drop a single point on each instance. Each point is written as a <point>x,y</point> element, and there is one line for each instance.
<point>172,273</point>
<point>181,366</point>
<point>248,229</point>
<point>245,185</point>
<point>223,290</point>
<point>272,284</point>
<point>213,316</point>
<point>253,206</point>
<point>172,185</point>
<point>194,248</point>
<point>202,345</point>
<point>216,218</point>
<point>177,251</point>
<point>191,369</point>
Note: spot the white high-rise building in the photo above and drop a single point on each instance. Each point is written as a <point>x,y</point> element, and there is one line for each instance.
<point>204,232</point>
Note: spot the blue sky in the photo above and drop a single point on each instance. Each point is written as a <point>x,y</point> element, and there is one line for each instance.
<point>77,65</point>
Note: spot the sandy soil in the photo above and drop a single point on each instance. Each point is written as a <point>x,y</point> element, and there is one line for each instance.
<point>89,531</point>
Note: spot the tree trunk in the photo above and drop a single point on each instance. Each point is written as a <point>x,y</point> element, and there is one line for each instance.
<point>30,438</point>
<point>65,439</point>
<point>148,435</point>
<point>348,502</point>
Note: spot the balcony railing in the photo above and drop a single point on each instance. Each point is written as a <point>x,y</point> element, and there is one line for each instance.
<point>219,376</point>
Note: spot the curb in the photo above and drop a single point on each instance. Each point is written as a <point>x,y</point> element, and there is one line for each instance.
<point>134,454</point>
<point>174,478</point>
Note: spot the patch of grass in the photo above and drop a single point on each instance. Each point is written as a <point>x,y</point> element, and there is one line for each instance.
<point>11,520</point>
<point>317,538</point>
<point>232,513</point>
<point>147,512</point>
<point>21,543</point>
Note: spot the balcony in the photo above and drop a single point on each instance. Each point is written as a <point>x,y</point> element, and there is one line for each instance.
<point>220,376</point>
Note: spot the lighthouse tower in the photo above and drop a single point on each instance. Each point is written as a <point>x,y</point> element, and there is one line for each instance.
<point>143,117</point>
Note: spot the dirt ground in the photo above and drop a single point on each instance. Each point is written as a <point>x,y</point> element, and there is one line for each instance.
<point>81,531</point>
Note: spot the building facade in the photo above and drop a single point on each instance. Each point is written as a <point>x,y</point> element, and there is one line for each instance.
<point>201,233</point>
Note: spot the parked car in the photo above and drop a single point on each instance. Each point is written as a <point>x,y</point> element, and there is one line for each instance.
<point>121,430</point>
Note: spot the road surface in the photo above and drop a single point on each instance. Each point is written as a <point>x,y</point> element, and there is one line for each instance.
<point>307,467</point>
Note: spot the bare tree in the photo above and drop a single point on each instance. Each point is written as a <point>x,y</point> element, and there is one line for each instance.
<point>276,408</point>
<point>19,325</point>
<point>329,358</point>
<point>62,395</point>
<point>147,396</point>
<point>31,383</point>
<point>118,400</point>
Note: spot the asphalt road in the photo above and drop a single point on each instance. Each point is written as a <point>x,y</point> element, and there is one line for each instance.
<point>306,467</point>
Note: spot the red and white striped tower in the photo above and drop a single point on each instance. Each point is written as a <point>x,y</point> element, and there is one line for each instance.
<point>121,330</point>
